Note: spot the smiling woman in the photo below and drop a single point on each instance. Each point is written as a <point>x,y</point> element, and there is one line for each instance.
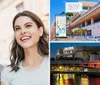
<point>29,52</point>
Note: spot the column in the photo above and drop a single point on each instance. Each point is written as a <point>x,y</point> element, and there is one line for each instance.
<point>85,23</point>
<point>92,21</point>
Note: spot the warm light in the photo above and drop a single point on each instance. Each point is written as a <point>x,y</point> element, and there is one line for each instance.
<point>84,81</point>
<point>60,67</point>
<point>61,80</point>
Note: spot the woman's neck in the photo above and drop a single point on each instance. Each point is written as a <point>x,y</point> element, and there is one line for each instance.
<point>32,58</point>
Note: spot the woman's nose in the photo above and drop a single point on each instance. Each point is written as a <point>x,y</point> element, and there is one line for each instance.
<point>23,31</point>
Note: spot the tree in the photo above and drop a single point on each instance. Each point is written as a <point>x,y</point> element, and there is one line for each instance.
<point>69,33</point>
<point>69,13</point>
<point>62,12</point>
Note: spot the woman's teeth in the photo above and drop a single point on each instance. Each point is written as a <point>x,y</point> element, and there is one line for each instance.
<point>25,38</point>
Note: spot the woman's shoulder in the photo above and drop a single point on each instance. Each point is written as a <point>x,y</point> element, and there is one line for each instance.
<point>7,69</point>
<point>47,59</point>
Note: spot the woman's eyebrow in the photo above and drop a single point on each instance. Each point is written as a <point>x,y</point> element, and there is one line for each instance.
<point>28,23</point>
<point>16,26</point>
<point>24,24</point>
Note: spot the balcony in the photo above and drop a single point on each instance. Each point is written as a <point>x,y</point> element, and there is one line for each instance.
<point>87,15</point>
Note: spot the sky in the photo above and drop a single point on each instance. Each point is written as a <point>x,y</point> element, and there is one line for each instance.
<point>58,6</point>
<point>55,46</point>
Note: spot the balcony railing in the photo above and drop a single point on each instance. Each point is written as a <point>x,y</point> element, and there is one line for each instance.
<point>88,12</point>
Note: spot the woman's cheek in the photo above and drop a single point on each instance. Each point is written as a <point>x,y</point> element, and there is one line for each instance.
<point>17,37</point>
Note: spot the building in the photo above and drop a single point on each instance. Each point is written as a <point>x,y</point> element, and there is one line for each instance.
<point>87,53</point>
<point>78,54</point>
<point>82,56</point>
<point>88,21</point>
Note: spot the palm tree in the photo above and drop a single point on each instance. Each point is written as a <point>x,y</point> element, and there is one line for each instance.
<point>68,14</point>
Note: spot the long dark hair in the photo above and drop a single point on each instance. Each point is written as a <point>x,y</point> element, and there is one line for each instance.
<point>17,52</point>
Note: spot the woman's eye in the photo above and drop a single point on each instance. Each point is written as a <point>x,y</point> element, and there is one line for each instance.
<point>17,29</point>
<point>28,26</point>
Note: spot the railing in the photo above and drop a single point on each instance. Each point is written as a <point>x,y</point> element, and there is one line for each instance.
<point>83,70</point>
<point>89,11</point>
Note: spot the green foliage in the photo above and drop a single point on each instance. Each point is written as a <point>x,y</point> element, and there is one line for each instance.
<point>69,14</point>
<point>69,33</point>
<point>79,32</point>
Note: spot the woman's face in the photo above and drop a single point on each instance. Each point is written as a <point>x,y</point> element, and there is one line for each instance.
<point>27,33</point>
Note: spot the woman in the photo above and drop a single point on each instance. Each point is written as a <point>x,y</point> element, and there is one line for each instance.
<point>29,61</point>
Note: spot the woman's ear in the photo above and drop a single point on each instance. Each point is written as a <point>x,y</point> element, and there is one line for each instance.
<point>41,31</point>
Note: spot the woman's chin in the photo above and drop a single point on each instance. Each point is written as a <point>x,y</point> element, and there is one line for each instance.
<point>26,46</point>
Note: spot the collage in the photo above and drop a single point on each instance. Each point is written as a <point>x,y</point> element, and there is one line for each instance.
<point>49,42</point>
